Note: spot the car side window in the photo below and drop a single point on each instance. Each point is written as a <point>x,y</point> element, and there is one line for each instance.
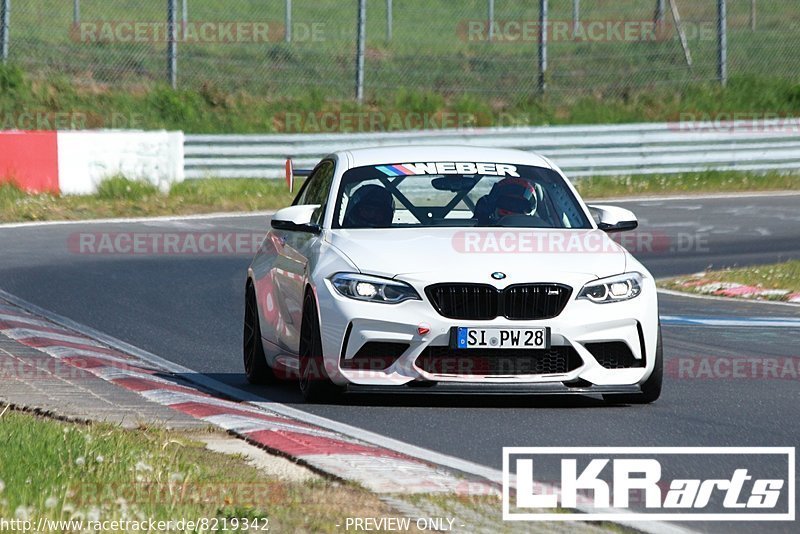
<point>317,189</point>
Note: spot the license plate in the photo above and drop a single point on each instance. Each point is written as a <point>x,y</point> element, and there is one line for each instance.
<point>501,338</point>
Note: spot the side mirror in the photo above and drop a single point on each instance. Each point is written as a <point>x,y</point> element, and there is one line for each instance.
<point>613,219</point>
<point>296,219</point>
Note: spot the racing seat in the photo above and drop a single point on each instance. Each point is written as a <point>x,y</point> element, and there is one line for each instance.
<point>371,206</point>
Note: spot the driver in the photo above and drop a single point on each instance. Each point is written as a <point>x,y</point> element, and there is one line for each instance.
<point>371,206</point>
<point>509,196</point>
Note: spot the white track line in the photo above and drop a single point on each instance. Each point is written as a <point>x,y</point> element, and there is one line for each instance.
<point>760,322</point>
<point>727,299</point>
<point>707,196</point>
<point>426,455</point>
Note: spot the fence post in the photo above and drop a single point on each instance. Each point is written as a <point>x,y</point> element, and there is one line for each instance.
<point>389,20</point>
<point>5,18</point>
<point>752,15</point>
<point>722,42</point>
<point>172,43</point>
<point>360,49</point>
<point>542,45</point>
<point>184,16</point>
<point>491,20</point>
<point>576,15</point>
<point>76,12</point>
<point>288,23</point>
<point>659,16</point>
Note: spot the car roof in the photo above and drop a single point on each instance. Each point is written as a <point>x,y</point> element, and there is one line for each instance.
<point>442,153</point>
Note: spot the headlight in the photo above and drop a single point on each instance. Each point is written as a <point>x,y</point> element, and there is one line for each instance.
<point>372,288</point>
<point>614,289</point>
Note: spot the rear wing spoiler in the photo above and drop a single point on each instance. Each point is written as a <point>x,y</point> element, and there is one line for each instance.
<point>291,172</point>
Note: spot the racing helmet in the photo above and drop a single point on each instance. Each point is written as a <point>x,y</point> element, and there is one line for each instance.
<point>370,206</point>
<point>514,196</point>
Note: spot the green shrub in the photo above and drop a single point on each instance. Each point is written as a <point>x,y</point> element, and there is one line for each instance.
<point>122,188</point>
<point>176,107</point>
<point>12,79</point>
<point>10,192</point>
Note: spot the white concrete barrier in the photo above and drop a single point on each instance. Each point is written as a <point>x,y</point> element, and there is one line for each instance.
<point>86,158</point>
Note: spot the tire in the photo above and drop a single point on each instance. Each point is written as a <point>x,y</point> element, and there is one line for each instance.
<point>255,361</point>
<point>651,388</point>
<point>315,385</point>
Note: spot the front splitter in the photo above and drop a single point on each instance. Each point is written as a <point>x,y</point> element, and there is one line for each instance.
<point>460,388</point>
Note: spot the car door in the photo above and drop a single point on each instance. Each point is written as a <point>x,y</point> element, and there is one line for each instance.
<point>295,250</point>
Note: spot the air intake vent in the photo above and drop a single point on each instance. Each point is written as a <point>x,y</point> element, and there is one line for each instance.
<point>496,362</point>
<point>614,355</point>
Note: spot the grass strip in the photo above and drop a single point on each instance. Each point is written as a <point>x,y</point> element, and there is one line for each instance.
<point>120,197</point>
<point>688,183</point>
<point>61,471</point>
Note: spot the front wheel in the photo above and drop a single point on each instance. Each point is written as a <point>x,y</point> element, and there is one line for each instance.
<point>315,385</point>
<point>651,388</point>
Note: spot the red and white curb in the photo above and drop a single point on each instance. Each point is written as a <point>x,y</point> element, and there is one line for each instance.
<point>379,469</point>
<point>702,286</point>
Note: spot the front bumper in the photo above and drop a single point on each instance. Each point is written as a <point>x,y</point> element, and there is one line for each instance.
<point>347,325</point>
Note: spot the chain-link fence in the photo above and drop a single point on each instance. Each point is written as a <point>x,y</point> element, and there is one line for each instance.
<point>494,48</point>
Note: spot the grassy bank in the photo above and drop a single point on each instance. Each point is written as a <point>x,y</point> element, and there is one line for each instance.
<point>57,103</point>
<point>690,183</point>
<point>780,282</point>
<point>64,471</point>
<point>119,197</point>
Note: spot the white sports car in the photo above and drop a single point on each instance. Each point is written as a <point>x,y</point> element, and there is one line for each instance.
<point>450,269</point>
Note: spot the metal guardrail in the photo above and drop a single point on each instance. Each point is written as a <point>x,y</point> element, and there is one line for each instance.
<point>605,150</point>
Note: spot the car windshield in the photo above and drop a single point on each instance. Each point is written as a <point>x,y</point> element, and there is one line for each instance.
<point>456,194</point>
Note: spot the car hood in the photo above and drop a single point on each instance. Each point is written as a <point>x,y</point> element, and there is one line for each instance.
<point>470,255</point>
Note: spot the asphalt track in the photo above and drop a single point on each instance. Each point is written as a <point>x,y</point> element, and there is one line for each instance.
<point>188,309</point>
